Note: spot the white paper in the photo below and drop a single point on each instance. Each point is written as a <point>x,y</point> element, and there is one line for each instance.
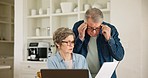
<point>107,69</point>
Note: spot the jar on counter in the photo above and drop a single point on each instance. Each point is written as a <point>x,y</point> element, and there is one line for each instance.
<point>38,31</point>
<point>48,11</point>
<point>40,11</point>
<point>33,12</point>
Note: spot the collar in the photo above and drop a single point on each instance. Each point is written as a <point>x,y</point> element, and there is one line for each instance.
<point>62,60</point>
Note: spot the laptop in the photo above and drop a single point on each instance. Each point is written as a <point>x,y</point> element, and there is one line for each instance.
<point>64,73</point>
<point>107,69</point>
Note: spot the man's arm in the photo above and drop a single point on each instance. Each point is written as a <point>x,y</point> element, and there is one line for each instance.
<point>78,41</point>
<point>115,46</point>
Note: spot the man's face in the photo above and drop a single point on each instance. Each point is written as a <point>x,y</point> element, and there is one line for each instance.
<point>93,28</point>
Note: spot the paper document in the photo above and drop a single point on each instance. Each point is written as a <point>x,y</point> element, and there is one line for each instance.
<point>107,69</point>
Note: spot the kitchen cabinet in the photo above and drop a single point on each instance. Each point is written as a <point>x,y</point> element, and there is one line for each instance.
<point>6,22</point>
<point>7,72</point>
<point>30,69</point>
<point>43,17</point>
<point>6,27</point>
<point>52,20</point>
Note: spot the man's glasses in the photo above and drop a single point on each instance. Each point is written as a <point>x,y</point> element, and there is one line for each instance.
<point>68,42</point>
<point>92,29</point>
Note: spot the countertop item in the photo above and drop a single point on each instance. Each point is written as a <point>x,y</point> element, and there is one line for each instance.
<point>67,6</point>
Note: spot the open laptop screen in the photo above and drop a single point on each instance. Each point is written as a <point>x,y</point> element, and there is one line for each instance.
<point>64,73</point>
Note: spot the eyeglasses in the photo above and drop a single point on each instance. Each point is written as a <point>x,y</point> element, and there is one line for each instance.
<point>68,42</point>
<point>92,29</point>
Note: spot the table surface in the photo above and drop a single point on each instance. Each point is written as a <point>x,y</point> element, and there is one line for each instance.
<point>5,67</point>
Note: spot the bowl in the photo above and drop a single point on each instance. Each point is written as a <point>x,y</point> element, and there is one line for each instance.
<point>67,6</point>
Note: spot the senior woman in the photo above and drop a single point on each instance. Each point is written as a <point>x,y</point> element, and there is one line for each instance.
<point>65,58</point>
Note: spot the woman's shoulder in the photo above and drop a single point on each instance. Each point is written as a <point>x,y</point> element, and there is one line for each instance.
<point>53,57</point>
<point>78,56</point>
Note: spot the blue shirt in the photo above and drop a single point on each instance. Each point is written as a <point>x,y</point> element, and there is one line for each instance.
<point>57,62</point>
<point>107,50</point>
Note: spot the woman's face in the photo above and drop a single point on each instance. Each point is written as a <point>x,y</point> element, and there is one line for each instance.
<point>67,44</point>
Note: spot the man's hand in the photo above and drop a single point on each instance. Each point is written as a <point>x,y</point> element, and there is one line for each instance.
<point>81,30</point>
<point>106,31</point>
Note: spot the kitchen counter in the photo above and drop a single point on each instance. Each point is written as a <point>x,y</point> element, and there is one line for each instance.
<point>5,67</point>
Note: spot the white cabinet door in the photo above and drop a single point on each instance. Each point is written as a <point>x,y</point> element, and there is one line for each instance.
<point>30,69</point>
<point>28,76</point>
<point>6,73</point>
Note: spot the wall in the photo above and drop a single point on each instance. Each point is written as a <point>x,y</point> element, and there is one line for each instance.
<point>126,15</point>
<point>144,44</point>
<point>18,46</point>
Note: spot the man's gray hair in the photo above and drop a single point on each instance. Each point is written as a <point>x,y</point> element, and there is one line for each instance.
<point>95,14</point>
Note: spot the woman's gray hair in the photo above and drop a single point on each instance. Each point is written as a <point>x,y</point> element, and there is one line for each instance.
<point>60,34</point>
<point>95,14</point>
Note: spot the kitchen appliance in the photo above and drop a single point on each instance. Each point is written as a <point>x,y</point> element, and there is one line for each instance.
<point>39,51</point>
